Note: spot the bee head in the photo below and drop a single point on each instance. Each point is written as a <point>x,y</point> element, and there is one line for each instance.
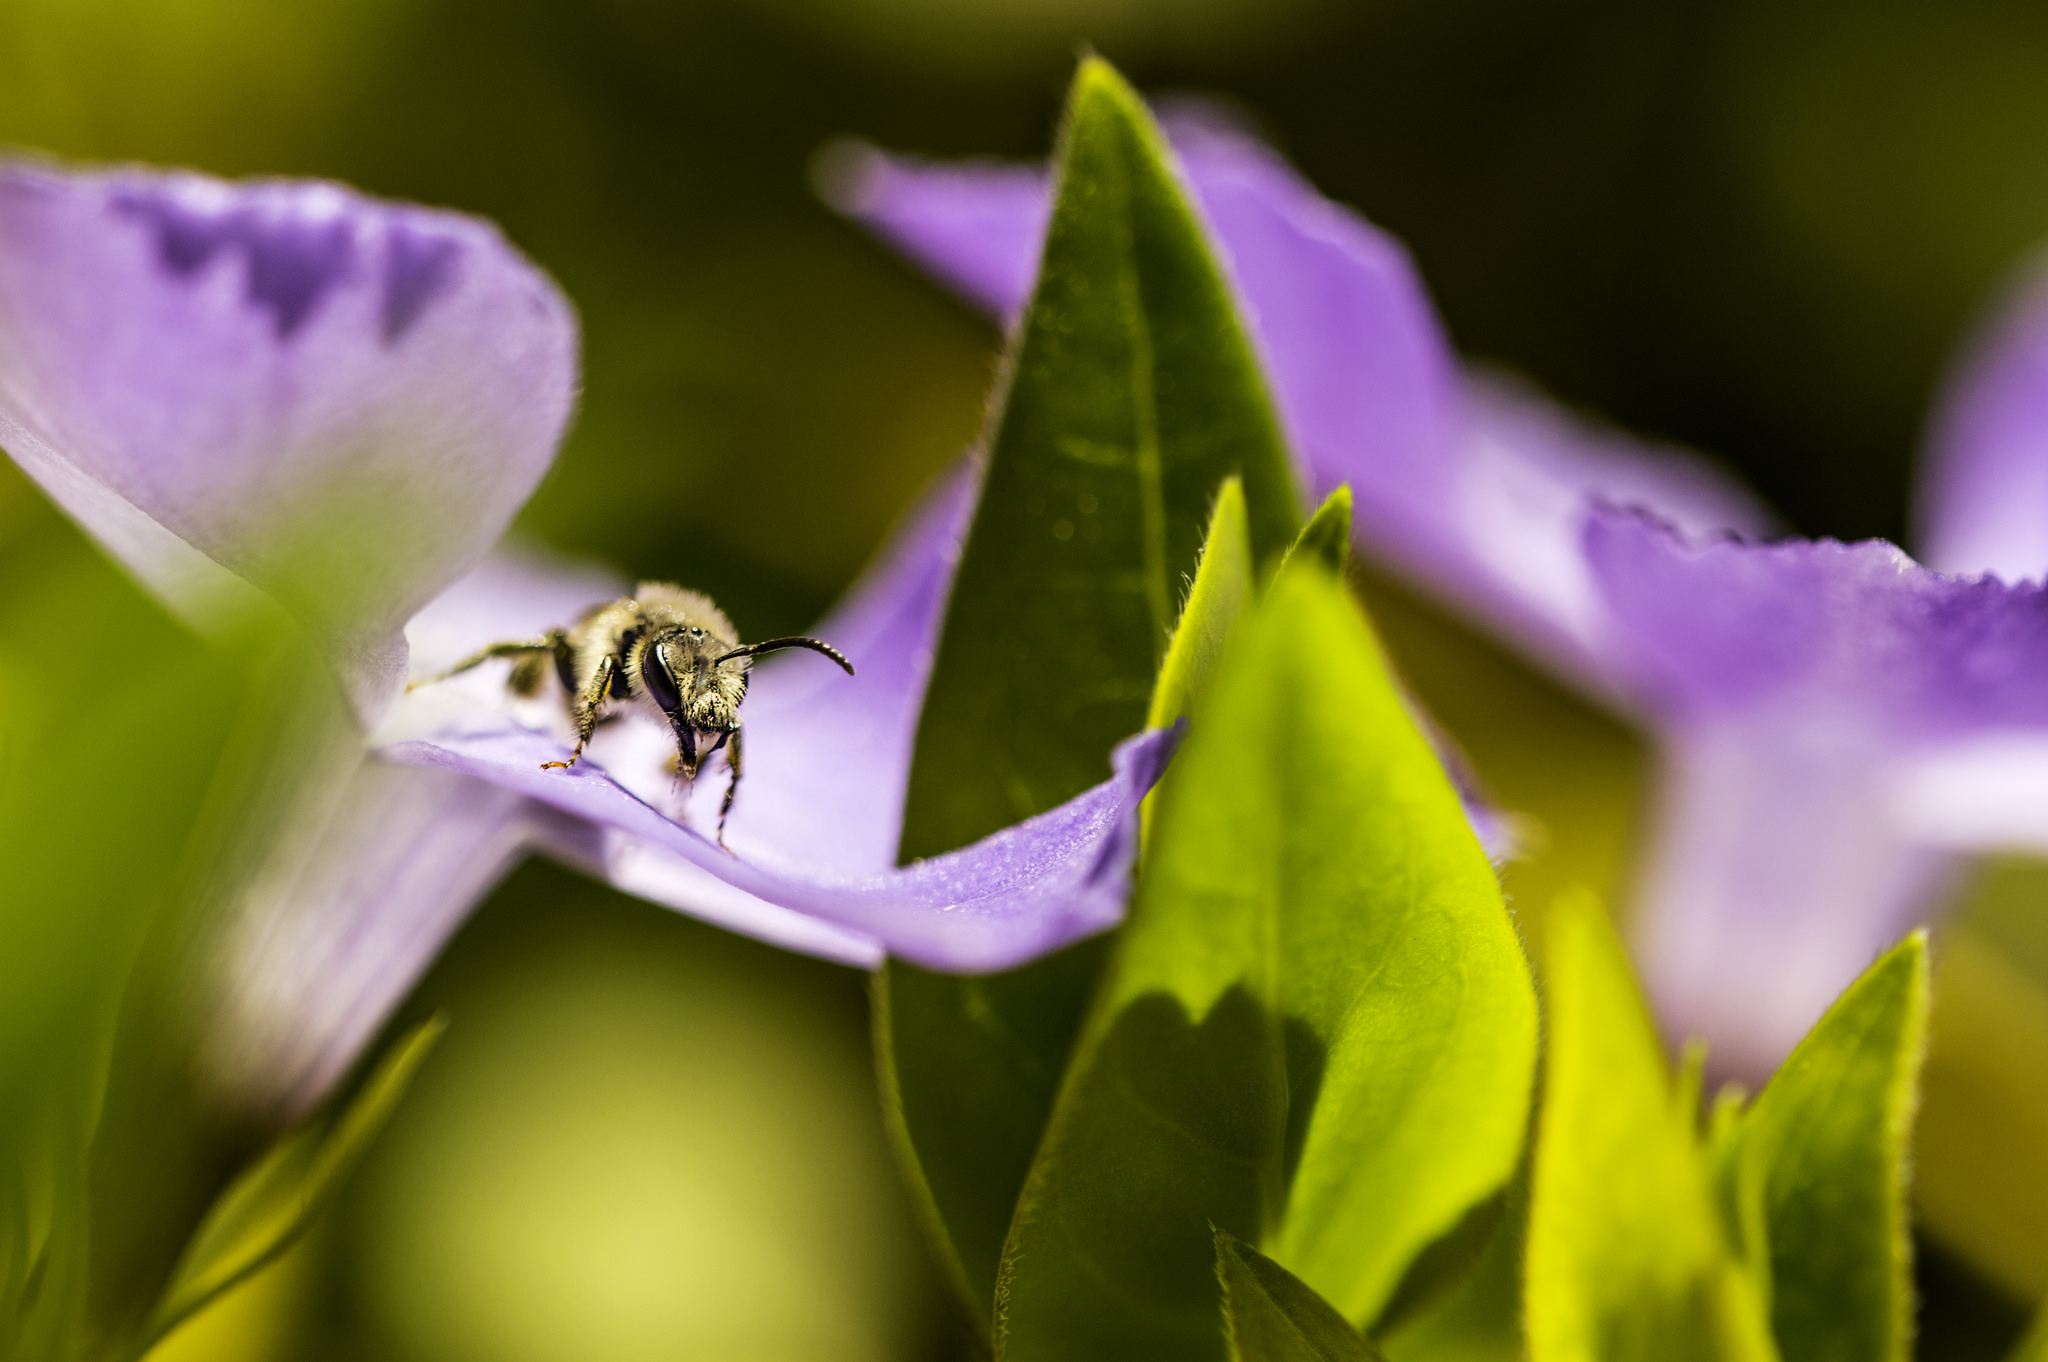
<point>689,686</point>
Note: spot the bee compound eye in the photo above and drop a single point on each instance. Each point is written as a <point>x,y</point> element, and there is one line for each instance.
<point>659,680</point>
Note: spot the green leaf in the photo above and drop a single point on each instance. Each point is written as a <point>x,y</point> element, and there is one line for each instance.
<point>97,814</point>
<point>1626,1258</point>
<point>1222,587</point>
<point>969,1069</point>
<point>979,1059</point>
<point>1318,1032</point>
<point>1131,395</point>
<point>266,1210</point>
<point>2033,1345</point>
<point>1480,1318</point>
<point>1271,1315</point>
<point>1327,536</point>
<point>1816,1172</point>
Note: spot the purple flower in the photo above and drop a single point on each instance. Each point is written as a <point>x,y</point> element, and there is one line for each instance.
<point>1836,724</point>
<point>813,836</point>
<point>283,390</point>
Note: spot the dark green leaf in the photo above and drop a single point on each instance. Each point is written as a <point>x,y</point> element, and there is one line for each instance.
<point>98,803</point>
<point>1626,1258</point>
<point>969,1069</point>
<point>1271,1315</point>
<point>1816,1172</point>
<point>1318,1033</point>
<point>266,1210</point>
<point>1131,395</point>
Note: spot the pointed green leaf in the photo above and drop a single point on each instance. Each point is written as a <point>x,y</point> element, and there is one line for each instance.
<point>1271,1315</point>
<point>1131,394</point>
<point>1480,1318</point>
<point>1817,1172</point>
<point>1222,586</point>
<point>1318,1032</point>
<point>2033,1345</point>
<point>1626,1258</point>
<point>1327,535</point>
<point>266,1210</point>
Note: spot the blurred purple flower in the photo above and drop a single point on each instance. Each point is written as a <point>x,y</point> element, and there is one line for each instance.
<point>1836,724</point>
<point>285,390</point>
<point>279,385</point>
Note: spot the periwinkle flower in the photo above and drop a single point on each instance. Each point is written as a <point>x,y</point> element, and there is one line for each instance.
<point>1836,724</point>
<point>813,836</point>
<point>285,390</point>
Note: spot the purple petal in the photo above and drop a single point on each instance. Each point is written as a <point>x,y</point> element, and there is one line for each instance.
<point>1779,868</point>
<point>516,592</point>
<point>1983,504</point>
<point>1365,380</point>
<point>978,225</point>
<point>660,876</point>
<point>339,401</point>
<point>1837,723</point>
<point>1473,486</point>
<point>1706,630</point>
<point>1018,894</point>
<point>828,755</point>
<point>347,913</point>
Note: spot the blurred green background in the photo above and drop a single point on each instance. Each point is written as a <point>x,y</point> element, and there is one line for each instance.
<point>1755,227</point>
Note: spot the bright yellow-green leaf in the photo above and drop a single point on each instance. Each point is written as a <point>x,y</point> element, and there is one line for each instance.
<point>1318,1033</point>
<point>1222,586</point>
<point>1627,1260</point>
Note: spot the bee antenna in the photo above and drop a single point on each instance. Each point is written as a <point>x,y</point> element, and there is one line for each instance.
<point>776,645</point>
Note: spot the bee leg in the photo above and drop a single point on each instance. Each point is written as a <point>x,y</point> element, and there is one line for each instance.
<point>525,649</point>
<point>731,744</point>
<point>527,674</point>
<point>585,712</point>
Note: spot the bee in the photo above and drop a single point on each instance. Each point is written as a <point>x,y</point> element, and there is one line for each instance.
<point>665,648</point>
